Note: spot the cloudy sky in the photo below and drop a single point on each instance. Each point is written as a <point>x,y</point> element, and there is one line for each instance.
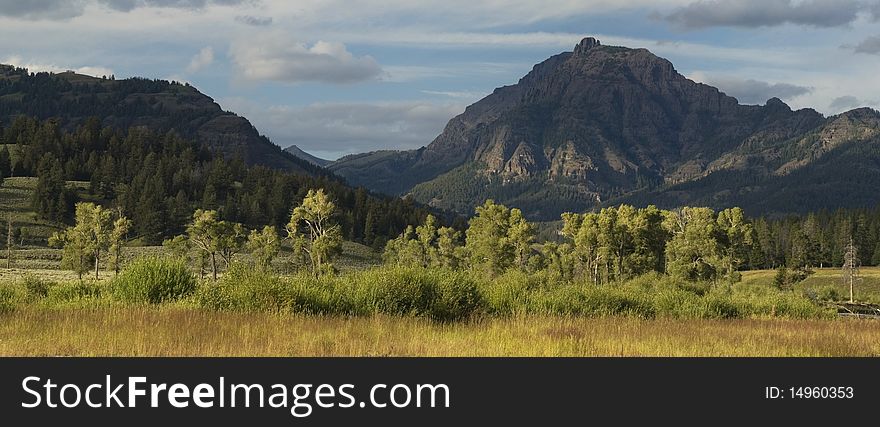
<point>344,76</point>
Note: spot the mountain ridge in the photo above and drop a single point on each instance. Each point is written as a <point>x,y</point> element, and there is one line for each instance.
<point>160,105</point>
<point>298,152</point>
<point>601,123</point>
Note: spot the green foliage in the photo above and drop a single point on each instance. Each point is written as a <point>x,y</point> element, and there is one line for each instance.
<point>498,238</point>
<point>437,294</point>
<point>63,293</point>
<point>244,288</point>
<point>313,232</point>
<point>51,200</point>
<point>179,247</point>
<point>87,239</point>
<point>121,227</point>
<point>5,163</point>
<point>264,245</point>
<point>214,237</point>
<point>159,176</point>
<point>615,243</point>
<point>694,252</point>
<point>153,280</point>
<point>11,297</point>
<point>785,279</point>
<point>36,287</point>
<point>426,246</point>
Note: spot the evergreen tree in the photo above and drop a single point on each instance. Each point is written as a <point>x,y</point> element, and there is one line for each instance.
<point>50,199</point>
<point>5,163</point>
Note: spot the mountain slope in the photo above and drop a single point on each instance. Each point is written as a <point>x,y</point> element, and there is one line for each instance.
<point>604,124</point>
<point>159,105</point>
<point>299,153</point>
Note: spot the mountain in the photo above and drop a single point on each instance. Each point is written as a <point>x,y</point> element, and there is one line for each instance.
<point>298,152</point>
<point>607,124</point>
<point>159,105</point>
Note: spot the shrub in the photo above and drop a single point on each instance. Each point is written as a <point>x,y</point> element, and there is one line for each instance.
<point>828,293</point>
<point>10,297</point>
<point>73,291</point>
<point>7,304</point>
<point>606,300</point>
<point>153,280</point>
<point>439,294</point>
<point>36,287</point>
<point>244,288</point>
<point>719,306</point>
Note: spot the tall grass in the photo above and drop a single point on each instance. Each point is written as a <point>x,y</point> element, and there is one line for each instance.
<point>171,330</point>
<point>153,280</point>
<point>442,295</point>
<point>438,294</point>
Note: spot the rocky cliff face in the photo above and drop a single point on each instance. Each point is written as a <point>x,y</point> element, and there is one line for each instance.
<point>596,124</point>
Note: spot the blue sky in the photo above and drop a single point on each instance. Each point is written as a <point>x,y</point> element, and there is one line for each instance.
<point>338,77</point>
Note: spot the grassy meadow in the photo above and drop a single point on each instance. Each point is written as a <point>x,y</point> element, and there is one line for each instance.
<point>163,309</point>
<point>180,331</point>
<point>413,312</point>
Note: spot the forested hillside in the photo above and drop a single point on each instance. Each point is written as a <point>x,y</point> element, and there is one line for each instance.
<point>158,105</point>
<point>159,179</point>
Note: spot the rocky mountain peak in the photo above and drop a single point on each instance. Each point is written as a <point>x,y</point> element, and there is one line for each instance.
<point>776,104</point>
<point>585,45</point>
<point>615,123</point>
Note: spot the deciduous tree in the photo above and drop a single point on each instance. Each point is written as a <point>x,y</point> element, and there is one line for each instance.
<point>311,230</point>
<point>215,237</point>
<point>264,245</point>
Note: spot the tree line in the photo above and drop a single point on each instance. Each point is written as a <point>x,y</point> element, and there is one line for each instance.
<point>619,243</point>
<point>614,244</point>
<point>99,233</point>
<point>159,180</point>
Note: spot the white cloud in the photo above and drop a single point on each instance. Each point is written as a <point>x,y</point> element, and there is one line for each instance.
<point>68,9</point>
<point>204,58</point>
<point>37,67</point>
<point>464,95</point>
<point>277,59</point>
<point>765,13</point>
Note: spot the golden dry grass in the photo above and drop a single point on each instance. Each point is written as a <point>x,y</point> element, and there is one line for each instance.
<point>177,331</point>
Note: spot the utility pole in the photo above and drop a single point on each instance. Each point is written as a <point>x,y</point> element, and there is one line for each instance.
<point>850,267</point>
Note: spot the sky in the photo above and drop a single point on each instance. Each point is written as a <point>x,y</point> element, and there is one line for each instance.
<point>337,77</point>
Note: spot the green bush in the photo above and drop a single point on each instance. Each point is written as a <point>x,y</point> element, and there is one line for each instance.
<point>36,287</point>
<point>590,300</point>
<point>153,280</point>
<point>11,296</point>
<point>439,294</point>
<point>513,292</point>
<point>73,291</point>
<point>244,288</point>
<point>828,293</point>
